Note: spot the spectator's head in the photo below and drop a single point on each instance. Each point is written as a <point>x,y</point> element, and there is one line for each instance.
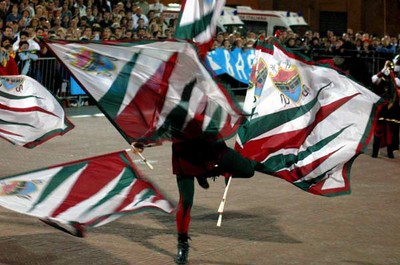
<point>40,33</point>
<point>23,46</point>
<point>9,32</point>
<point>291,42</point>
<point>6,41</point>
<point>220,37</point>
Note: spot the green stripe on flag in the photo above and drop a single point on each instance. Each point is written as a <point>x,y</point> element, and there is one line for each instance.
<point>147,195</point>
<point>268,122</point>
<point>275,163</point>
<point>9,96</point>
<point>175,120</point>
<point>57,180</point>
<point>111,102</point>
<point>191,30</point>
<point>306,184</point>
<point>16,123</point>
<point>215,122</point>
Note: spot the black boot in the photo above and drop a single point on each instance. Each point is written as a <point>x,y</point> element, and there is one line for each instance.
<point>390,151</point>
<point>203,182</point>
<point>375,147</point>
<point>183,249</point>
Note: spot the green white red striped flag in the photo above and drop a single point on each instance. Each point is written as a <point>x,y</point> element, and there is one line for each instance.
<point>152,90</point>
<point>84,193</point>
<point>198,20</point>
<point>29,113</point>
<point>308,122</point>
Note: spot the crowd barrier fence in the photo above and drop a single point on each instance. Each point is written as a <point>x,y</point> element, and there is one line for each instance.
<point>54,76</point>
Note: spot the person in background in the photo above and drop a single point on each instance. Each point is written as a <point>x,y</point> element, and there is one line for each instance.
<point>387,129</point>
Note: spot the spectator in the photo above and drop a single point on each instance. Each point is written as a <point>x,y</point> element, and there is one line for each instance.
<point>386,47</point>
<point>139,15</point>
<point>157,7</point>
<point>14,16</point>
<point>143,5</point>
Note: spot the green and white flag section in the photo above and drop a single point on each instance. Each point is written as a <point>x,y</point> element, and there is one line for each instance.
<point>308,121</point>
<point>89,192</point>
<point>198,20</point>
<point>152,90</point>
<point>29,113</point>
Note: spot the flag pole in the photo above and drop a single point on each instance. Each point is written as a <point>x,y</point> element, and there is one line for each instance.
<point>222,204</point>
<point>135,150</point>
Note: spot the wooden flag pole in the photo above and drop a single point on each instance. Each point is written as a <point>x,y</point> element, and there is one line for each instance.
<point>134,150</point>
<point>222,204</point>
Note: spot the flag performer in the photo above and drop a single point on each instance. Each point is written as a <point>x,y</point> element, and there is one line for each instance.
<point>387,85</point>
<point>200,159</point>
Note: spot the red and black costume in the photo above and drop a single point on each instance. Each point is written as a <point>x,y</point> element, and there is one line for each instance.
<point>387,129</point>
<point>201,159</point>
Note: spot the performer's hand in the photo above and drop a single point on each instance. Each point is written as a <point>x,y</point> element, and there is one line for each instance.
<point>385,70</point>
<point>137,147</point>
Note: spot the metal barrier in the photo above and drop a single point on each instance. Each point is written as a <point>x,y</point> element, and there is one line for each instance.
<point>53,75</point>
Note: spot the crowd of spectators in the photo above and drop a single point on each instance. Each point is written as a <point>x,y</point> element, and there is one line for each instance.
<point>23,23</point>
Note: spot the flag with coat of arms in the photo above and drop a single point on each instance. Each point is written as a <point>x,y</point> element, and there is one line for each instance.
<point>87,193</point>
<point>308,121</point>
<point>152,90</point>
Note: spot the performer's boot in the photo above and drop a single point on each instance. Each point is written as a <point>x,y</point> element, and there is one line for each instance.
<point>203,182</point>
<point>375,147</point>
<point>390,151</point>
<point>183,249</point>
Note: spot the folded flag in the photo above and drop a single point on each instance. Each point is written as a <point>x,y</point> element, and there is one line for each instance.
<point>81,194</point>
<point>308,122</point>
<point>198,20</point>
<point>29,113</point>
<point>152,90</point>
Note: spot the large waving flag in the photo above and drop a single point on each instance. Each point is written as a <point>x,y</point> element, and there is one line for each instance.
<point>85,193</point>
<point>198,20</point>
<point>308,121</point>
<point>152,90</point>
<point>29,113</point>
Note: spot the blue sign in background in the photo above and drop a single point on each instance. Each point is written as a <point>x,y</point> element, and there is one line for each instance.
<point>236,63</point>
<point>76,89</point>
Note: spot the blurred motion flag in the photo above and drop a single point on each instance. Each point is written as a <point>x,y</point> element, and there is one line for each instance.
<point>80,194</point>
<point>152,90</point>
<point>29,113</point>
<point>198,20</point>
<point>308,123</point>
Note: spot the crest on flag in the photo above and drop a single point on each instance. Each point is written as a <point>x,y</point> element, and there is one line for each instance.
<point>90,61</point>
<point>10,82</point>
<point>288,81</point>
<point>19,188</point>
<point>258,76</point>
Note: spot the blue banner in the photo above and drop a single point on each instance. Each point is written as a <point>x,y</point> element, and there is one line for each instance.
<point>236,63</point>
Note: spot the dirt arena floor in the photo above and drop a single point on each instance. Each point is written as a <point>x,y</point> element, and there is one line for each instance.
<point>266,220</point>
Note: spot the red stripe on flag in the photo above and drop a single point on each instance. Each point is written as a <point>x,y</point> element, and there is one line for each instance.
<point>293,139</point>
<point>317,188</point>
<point>138,186</point>
<point>99,172</point>
<point>30,109</point>
<point>138,119</point>
<point>8,132</point>
<point>299,172</point>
